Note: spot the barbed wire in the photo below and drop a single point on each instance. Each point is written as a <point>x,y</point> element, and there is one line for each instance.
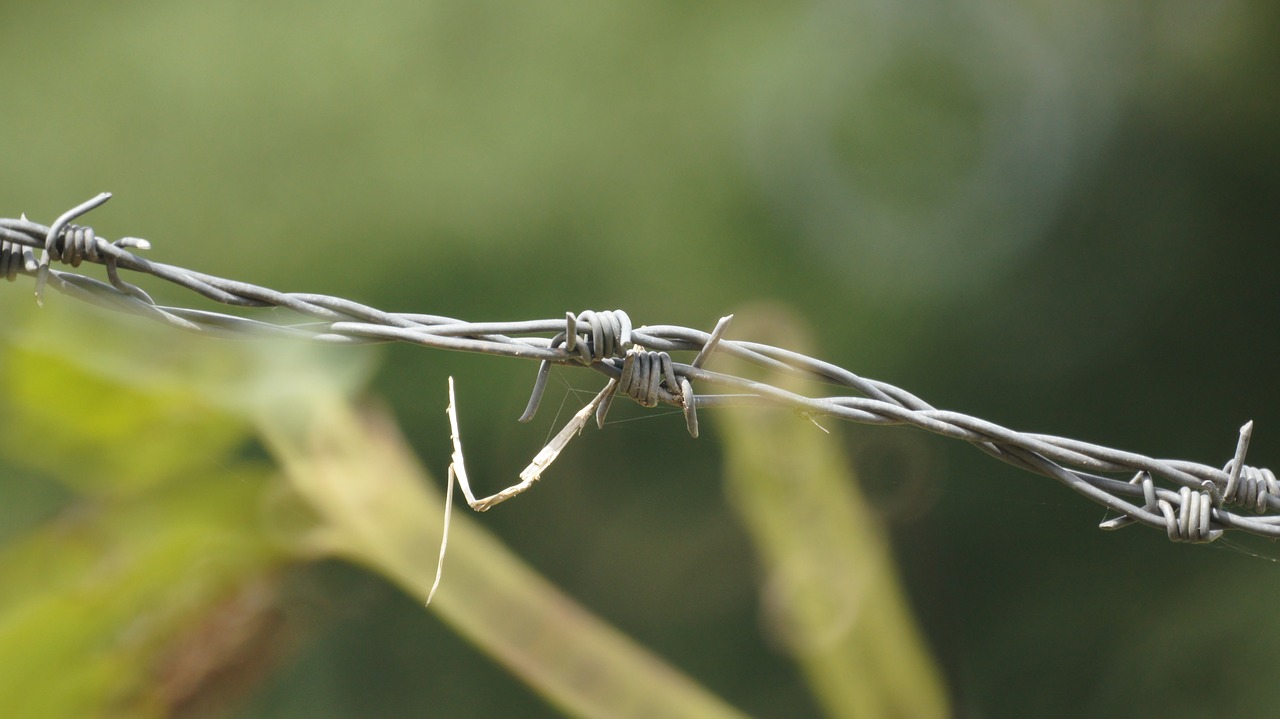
<point>1193,502</point>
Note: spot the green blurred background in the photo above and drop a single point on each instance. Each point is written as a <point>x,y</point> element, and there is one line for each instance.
<point>1061,218</point>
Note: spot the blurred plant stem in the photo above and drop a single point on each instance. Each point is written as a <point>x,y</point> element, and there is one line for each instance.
<point>830,590</point>
<point>379,508</point>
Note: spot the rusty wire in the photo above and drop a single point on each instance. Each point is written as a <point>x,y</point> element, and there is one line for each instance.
<point>1193,503</point>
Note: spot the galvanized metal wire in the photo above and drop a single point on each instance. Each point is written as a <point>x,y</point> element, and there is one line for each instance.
<point>1192,502</point>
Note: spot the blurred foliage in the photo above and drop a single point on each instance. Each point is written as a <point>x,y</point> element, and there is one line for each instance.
<point>1060,217</point>
<point>113,430</point>
<point>105,610</point>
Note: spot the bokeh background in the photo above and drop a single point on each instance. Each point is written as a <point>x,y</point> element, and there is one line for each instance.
<point>1058,217</point>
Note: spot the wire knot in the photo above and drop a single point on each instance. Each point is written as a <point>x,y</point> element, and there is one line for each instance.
<point>76,244</point>
<point>1246,486</point>
<point>649,377</point>
<point>1250,486</point>
<point>608,334</point>
<point>72,244</point>
<point>1192,521</point>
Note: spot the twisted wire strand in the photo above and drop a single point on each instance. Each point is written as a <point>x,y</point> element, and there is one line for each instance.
<point>1195,509</point>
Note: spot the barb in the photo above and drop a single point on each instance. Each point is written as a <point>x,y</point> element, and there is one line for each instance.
<point>1193,505</point>
<point>610,332</point>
